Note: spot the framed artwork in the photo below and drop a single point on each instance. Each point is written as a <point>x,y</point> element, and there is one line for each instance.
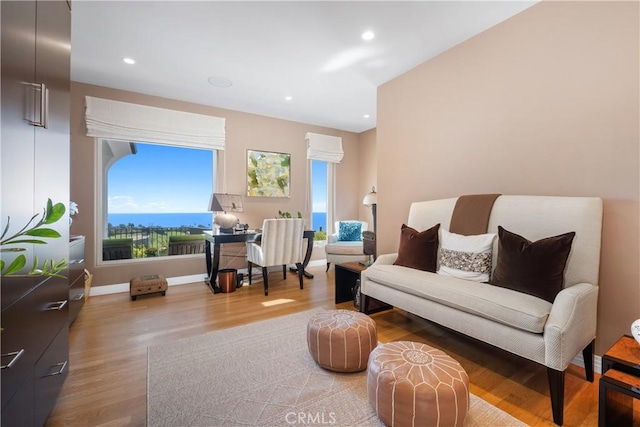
<point>268,174</point>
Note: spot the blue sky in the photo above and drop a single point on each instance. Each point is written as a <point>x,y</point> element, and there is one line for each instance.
<point>161,179</point>
<point>164,179</point>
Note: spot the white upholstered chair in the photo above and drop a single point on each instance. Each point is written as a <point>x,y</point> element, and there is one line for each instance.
<point>281,244</point>
<point>338,251</point>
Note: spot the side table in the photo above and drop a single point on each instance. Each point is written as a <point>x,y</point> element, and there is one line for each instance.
<point>346,276</point>
<point>619,383</point>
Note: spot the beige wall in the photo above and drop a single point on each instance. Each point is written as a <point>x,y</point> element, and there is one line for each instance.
<point>243,131</point>
<point>545,103</point>
<point>368,171</point>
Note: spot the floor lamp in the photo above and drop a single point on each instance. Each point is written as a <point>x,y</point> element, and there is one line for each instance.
<point>369,238</point>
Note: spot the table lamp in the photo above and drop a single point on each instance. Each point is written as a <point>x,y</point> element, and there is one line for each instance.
<point>224,204</point>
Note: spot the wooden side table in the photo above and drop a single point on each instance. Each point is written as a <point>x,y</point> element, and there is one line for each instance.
<point>619,383</point>
<point>346,276</point>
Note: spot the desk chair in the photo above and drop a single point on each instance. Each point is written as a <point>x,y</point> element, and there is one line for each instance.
<point>281,244</point>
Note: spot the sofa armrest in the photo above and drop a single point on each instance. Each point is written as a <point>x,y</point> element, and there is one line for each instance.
<point>332,238</point>
<point>386,259</point>
<point>571,325</point>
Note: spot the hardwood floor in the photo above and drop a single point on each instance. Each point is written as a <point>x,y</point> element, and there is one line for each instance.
<point>107,380</point>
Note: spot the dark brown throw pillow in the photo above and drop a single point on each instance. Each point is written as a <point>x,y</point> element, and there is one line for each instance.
<point>418,249</point>
<point>534,268</point>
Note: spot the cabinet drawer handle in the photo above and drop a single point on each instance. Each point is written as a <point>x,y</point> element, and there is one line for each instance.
<point>44,106</point>
<point>76,261</point>
<point>79,297</point>
<point>57,305</point>
<point>62,365</point>
<point>16,355</point>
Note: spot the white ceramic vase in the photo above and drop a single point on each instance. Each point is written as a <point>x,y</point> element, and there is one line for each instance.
<point>635,330</point>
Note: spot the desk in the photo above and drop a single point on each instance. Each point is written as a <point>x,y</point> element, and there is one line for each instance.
<point>619,383</point>
<point>220,238</point>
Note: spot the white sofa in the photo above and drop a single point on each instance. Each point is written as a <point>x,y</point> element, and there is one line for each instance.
<point>338,252</point>
<point>551,334</point>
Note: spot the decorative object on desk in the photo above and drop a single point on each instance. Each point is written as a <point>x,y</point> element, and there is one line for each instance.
<point>371,200</point>
<point>369,246</point>
<point>225,203</point>
<point>268,174</point>
<point>635,330</point>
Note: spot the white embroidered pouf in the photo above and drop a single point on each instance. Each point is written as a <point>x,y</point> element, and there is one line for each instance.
<point>341,340</point>
<point>413,384</point>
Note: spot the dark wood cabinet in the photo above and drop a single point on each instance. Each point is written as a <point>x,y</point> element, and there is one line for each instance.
<point>35,142</point>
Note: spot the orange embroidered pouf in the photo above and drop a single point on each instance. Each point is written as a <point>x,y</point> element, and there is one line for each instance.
<point>341,340</point>
<point>412,384</point>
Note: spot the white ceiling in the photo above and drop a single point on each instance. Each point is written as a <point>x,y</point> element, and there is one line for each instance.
<point>311,51</point>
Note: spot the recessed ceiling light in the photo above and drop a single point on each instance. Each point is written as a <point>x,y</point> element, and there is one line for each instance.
<point>366,116</point>
<point>218,81</point>
<point>288,98</point>
<point>129,61</point>
<point>368,35</point>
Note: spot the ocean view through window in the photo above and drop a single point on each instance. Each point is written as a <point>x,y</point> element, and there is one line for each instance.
<point>155,199</point>
<point>319,197</point>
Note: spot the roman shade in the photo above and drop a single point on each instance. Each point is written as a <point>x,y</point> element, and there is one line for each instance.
<point>122,120</point>
<point>324,147</point>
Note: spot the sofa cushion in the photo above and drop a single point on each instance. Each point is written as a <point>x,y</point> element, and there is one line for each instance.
<point>506,306</point>
<point>535,268</point>
<point>465,257</point>
<point>349,231</point>
<point>418,249</point>
<point>344,248</point>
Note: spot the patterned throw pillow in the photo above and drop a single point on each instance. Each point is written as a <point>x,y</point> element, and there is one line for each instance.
<point>349,231</point>
<point>466,257</point>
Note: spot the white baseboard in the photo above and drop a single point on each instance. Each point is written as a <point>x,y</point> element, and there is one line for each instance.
<point>124,287</point>
<point>173,281</point>
<point>597,362</point>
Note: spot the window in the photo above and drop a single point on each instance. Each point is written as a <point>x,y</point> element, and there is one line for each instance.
<point>319,195</point>
<point>154,199</point>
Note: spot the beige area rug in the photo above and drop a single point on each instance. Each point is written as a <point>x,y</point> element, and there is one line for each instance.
<point>262,374</point>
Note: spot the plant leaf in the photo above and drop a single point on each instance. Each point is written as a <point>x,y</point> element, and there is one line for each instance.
<point>37,242</point>
<point>54,213</point>
<point>43,232</point>
<point>16,265</point>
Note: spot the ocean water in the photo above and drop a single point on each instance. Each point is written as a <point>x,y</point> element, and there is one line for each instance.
<point>200,220</point>
<point>204,220</point>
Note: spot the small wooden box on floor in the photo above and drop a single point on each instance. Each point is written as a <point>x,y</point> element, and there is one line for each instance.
<point>145,285</point>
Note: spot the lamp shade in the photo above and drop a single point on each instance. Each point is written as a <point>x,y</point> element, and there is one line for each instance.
<point>225,203</point>
<point>222,202</point>
<point>370,198</point>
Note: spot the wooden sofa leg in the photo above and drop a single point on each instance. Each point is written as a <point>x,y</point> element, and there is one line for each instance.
<point>556,391</point>
<point>328,264</point>
<point>587,355</point>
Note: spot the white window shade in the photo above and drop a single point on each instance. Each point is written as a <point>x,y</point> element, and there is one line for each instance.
<point>324,147</point>
<point>123,120</point>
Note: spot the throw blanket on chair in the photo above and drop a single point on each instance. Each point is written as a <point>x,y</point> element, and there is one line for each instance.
<point>471,214</point>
